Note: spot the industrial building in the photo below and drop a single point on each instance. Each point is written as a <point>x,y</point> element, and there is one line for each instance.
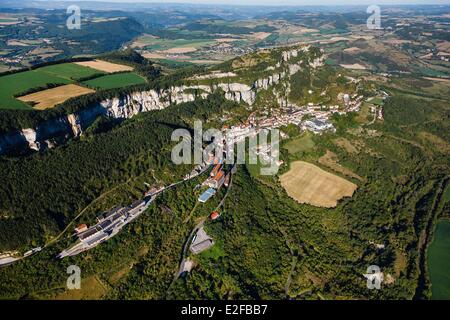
<point>201,242</point>
<point>317,126</point>
<point>106,228</point>
<point>217,181</point>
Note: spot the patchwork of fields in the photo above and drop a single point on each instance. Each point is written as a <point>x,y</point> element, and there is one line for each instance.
<point>38,85</point>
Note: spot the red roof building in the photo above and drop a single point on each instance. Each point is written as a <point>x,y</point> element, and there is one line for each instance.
<point>219,175</point>
<point>215,170</point>
<point>81,228</point>
<point>214,215</point>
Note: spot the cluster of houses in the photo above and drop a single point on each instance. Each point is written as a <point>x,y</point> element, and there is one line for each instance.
<point>217,178</point>
<point>315,118</point>
<point>11,60</point>
<point>267,155</point>
<point>225,48</point>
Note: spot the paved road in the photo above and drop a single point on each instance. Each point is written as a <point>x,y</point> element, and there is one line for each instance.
<point>186,246</point>
<point>194,230</point>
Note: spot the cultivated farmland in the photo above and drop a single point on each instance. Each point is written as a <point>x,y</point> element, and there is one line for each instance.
<point>69,71</point>
<point>307,183</point>
<point>49,98</point>
<point>105,66</point>
<point>115,81</point>
<point>438,261</point>
<point>156,44</point>
<point>19,83</point>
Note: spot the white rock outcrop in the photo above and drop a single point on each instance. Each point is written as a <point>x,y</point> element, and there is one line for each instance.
<point>47,133</point>
<point>237,92</point>
<point>30,136</point>
<point>75,125</point>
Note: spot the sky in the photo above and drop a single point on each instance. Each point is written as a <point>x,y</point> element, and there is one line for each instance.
<point>291,2</point>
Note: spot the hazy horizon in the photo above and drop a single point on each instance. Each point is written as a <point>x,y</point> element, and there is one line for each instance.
<point>280,2</point>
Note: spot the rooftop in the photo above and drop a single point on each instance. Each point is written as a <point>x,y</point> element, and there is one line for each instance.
<point>206,195</point>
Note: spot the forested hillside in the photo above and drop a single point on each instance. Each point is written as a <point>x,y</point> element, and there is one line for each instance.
<point>43,192</point>
<point>267,245</point>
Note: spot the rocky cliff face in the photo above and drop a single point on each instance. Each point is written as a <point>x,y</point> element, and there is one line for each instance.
<point>55,131</point>
<point>51,132</point>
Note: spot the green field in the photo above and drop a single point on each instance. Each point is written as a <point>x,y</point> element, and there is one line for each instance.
<point>165,44</point>
<point>377,101</point>
<point>447,194</point>
<point>439,261</point>
<point>69,71</point>
<point>213,253</point>
<point>18,83</point>
<point>115,81</point>
<point>300,144</point>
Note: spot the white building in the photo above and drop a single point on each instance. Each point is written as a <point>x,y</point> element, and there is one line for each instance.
<point>317,126</point>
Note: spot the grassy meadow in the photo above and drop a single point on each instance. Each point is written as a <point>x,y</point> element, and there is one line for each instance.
<point>439,261</point>
<point>115,81</point>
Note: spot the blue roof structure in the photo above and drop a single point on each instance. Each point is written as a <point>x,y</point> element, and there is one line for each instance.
<point>206,195</point>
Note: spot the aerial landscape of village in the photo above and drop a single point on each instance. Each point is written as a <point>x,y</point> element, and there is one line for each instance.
<point>197,150</point>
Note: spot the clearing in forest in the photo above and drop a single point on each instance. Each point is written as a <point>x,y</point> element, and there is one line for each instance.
<point>307,183</point>
<point>91,289</point>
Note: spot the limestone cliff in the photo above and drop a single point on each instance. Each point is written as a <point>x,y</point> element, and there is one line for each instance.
<point>55,131</point>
